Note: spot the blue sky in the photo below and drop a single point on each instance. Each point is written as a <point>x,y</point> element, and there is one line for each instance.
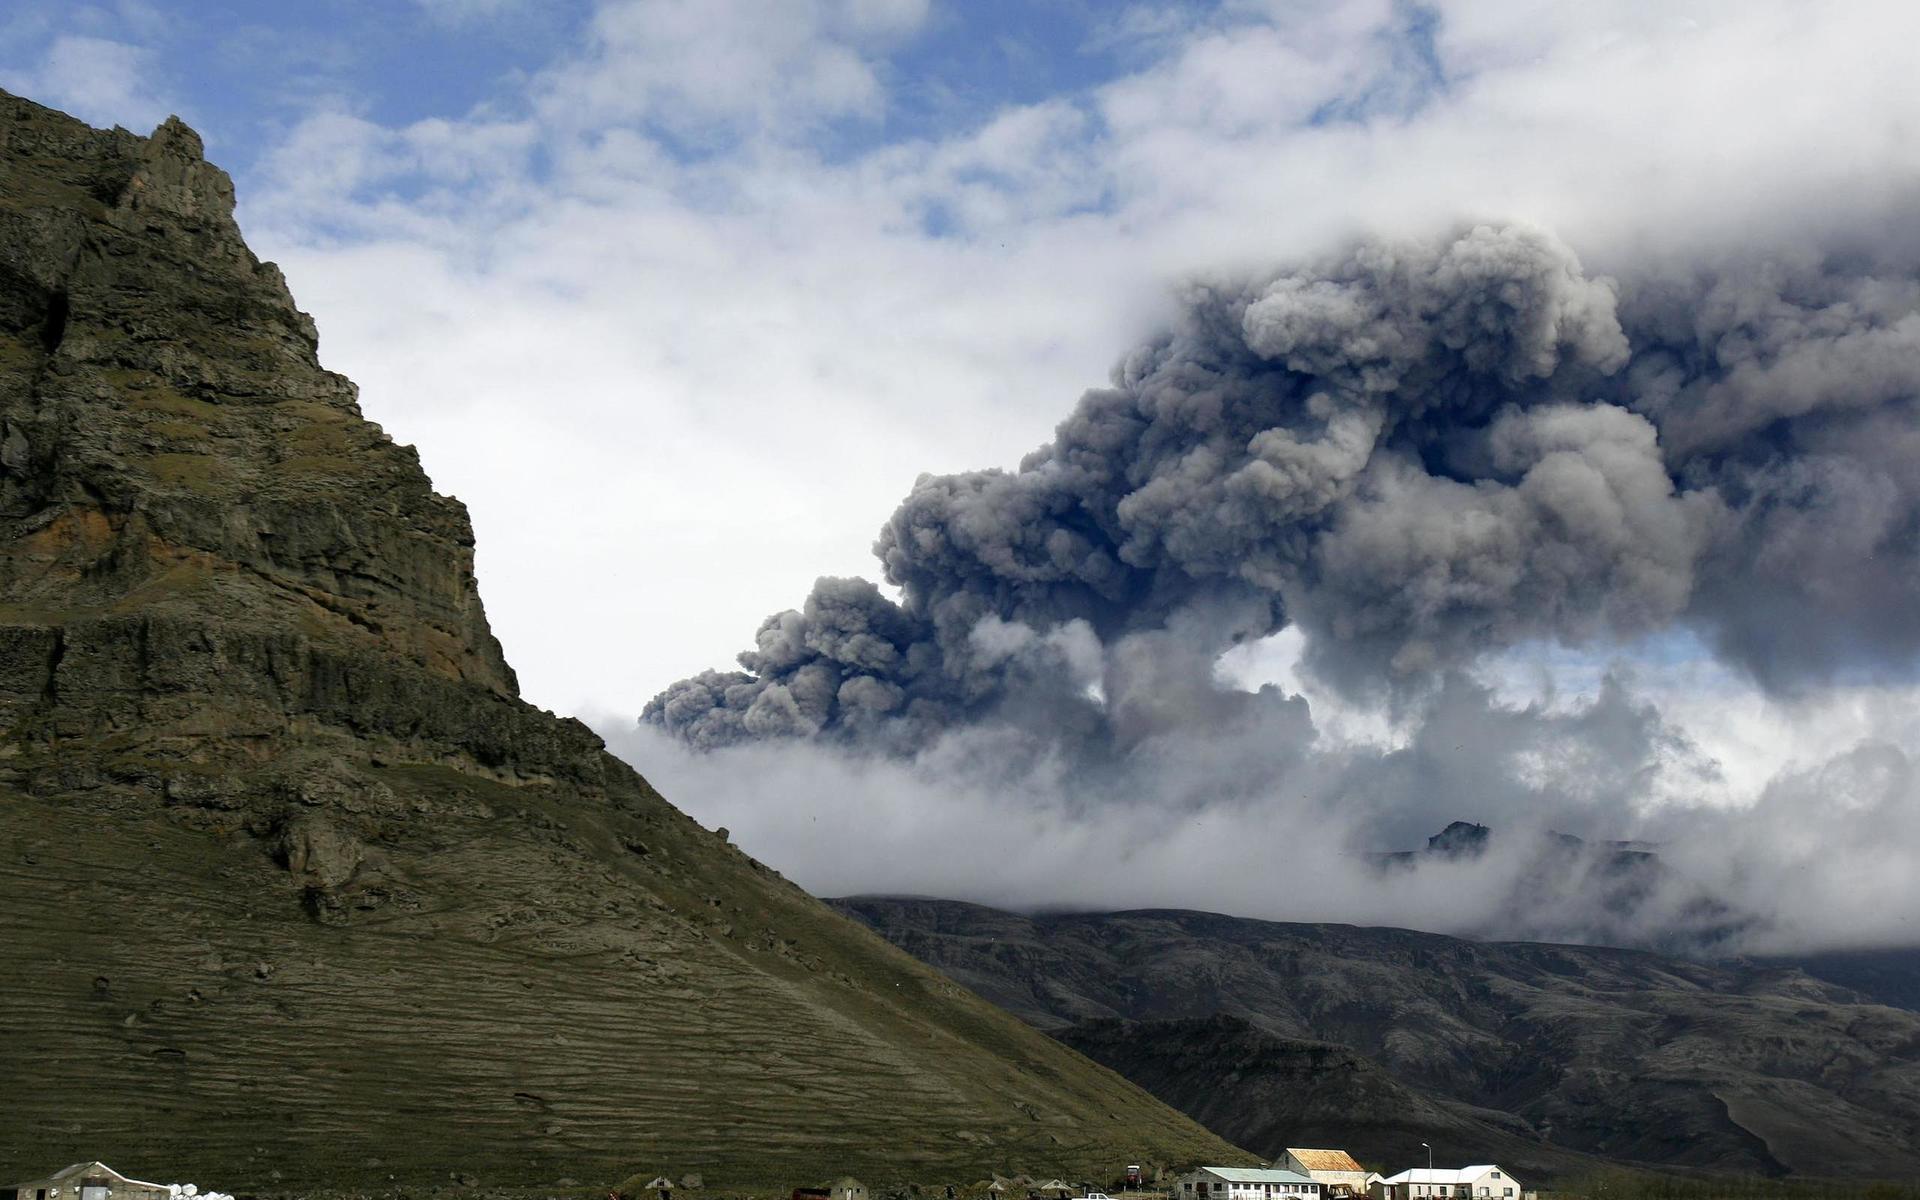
<point>244,72</point>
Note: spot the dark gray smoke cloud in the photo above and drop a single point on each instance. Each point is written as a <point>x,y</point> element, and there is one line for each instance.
<point>1417,453</point>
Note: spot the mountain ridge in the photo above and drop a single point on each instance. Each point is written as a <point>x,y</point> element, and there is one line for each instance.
<point>1580,1051</point>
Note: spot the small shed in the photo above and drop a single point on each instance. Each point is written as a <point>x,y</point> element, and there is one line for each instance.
<point>86,1181</point>
<point>661,1187</point>
<point>847,1188</point>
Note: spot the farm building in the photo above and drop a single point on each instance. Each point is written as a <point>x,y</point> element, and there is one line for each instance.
<point>86,1181</point>
<point>1334,1170</point>
<point>847,1188</point>
<point>1246,1183</point>
<point>1486,1182</point>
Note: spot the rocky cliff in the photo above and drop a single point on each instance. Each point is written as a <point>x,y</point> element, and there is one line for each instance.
<point>294,891</point>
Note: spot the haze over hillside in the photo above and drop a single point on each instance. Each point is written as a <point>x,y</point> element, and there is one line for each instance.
<point>294,891</point>
<point>1510,1052</point>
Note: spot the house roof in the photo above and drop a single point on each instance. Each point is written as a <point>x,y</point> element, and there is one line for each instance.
<point>1442,1174</point>
<point>98,1168</point>
<point>1256,1175</point>
<point>1325,1160</point>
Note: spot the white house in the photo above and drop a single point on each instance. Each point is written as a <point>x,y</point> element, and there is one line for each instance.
<point>86,1181</point>
<point>1246,1183</point>
<point>1334,1170</point>
<point>1447,1183</point>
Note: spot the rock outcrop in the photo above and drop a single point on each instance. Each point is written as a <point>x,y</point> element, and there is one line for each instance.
<point>295,893</point>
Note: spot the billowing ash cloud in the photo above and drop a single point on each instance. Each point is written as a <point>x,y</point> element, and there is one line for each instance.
<point>1416,453</point>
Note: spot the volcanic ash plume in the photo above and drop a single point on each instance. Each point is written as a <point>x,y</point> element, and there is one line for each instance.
<point>1416,453</point>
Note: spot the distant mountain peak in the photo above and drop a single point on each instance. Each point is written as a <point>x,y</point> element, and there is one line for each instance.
<point>1460,839</point>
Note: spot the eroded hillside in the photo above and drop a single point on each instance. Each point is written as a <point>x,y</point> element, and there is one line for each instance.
<point>1577,1049</point>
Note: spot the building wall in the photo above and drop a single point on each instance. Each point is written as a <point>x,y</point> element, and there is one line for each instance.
<point>1356,1180</point>
<point>1481,1187</point>
<point>1188,1188</point>
<point>1506,1187</point>
<point>65,1185</point>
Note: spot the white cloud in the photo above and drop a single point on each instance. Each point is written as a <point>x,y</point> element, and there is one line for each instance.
<point>705,69</point>
<point>679,360</point>
<point>1807,835</point>
<point>99,80</point>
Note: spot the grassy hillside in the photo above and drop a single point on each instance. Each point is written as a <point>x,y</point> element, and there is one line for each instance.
<point>518,985</point>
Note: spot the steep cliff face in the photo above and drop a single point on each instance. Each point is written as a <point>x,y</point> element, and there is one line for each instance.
<point>176,458</point>
<point>294,891</point>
